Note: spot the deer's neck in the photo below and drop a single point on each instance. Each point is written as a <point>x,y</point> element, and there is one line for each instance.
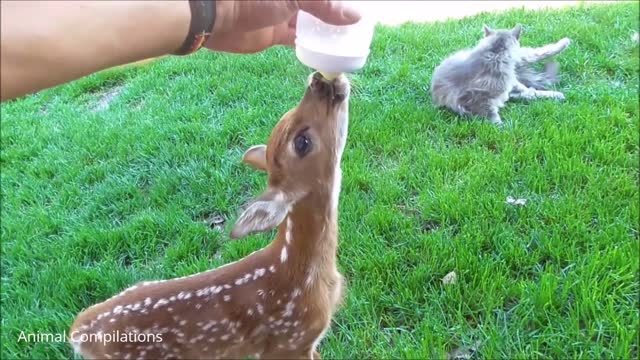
<point>308,238</point>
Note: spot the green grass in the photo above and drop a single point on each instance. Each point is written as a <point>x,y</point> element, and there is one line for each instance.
<point>95,198</point>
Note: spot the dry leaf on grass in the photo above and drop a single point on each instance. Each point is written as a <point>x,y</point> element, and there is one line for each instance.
<point>450,278</point>
<point>516,202</point>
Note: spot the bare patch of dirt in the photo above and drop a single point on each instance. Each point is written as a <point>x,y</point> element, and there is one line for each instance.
<point>107,97</point>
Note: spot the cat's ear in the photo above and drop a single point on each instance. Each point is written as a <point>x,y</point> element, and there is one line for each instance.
<point>487,30</point>
<point>516,31</point>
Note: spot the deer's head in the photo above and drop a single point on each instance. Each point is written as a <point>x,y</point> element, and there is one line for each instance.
<point>302,157</point>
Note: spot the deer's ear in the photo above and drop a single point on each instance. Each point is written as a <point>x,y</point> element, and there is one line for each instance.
<point>263,214</point>
<point>256,157</point>
<point>487,30</point>
<point>516,31</point>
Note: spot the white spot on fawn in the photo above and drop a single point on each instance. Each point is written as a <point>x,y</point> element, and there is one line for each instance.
<point>283,254</point>
<point>272,269</point>
<point>312,275</point>
<point>288,311</point>
<point>209,325</point>
<point>160,303</point>
<point>287,235</point>
<point>296,293</point>
<point>196,339</point>
<point>259,273</point>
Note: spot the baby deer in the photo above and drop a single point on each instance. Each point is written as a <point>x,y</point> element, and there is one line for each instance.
<point>275,303</point>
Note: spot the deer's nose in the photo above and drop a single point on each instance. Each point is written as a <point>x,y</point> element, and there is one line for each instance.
<point>320,86</point>
<point>335,90</point>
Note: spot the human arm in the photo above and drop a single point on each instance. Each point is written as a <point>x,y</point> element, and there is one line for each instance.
<point>47,43</point>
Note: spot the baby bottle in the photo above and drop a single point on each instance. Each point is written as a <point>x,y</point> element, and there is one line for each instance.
<point>333,49</point>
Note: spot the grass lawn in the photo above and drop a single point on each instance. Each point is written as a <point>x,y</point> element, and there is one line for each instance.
<point>109,180</point>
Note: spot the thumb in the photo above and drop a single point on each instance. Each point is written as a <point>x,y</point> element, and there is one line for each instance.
<point>332,12</point>
<point>284,34</point>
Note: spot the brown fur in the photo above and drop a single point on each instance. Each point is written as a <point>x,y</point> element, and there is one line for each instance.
<point>273,306</point>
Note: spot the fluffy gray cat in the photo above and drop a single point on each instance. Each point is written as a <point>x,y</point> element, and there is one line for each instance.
<point>479,81</point>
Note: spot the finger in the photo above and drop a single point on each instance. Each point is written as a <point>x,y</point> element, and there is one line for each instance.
<point>285,33</point>
<point>286,36</point>
<point>293,22</point>
<point>332,12</point>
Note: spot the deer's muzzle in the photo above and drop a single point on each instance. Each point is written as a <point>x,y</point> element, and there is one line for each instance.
<point>336,90</point>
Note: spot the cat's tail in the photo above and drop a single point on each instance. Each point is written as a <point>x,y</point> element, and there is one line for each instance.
<point>529,77</point>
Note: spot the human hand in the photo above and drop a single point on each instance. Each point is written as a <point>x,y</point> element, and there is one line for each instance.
<point>252,26</point>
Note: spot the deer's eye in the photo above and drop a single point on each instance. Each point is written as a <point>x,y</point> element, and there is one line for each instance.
<point>302,144</point>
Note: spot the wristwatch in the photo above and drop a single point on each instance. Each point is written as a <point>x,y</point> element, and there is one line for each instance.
<point>203,16</point>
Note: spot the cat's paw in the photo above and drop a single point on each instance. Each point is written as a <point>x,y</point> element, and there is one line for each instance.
<point>557,95</point>
<point>564,43</point>
<point>497,121</point>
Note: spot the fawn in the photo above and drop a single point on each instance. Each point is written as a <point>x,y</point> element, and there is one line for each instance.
<point>278,301</point>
